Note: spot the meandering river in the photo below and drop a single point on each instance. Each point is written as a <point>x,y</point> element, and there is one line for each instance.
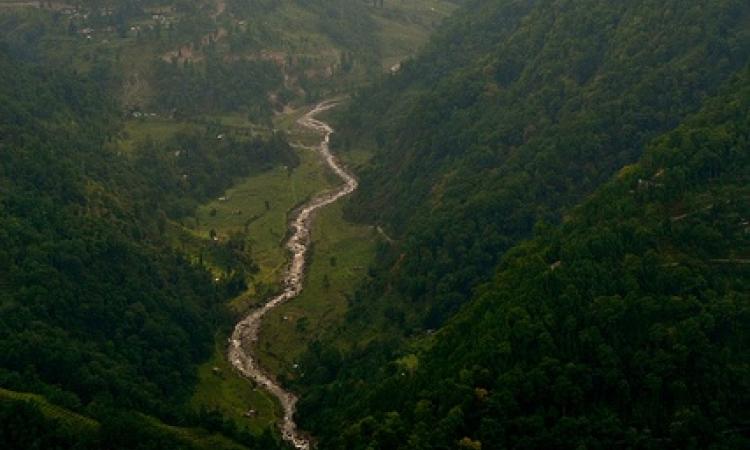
<point>245,333</point>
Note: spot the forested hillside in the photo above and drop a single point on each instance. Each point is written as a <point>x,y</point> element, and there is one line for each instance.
<point>625,327</point>
<point>99,314</point>
<point>194,58</point>
<point>601,330</point>
<point>516,111</point>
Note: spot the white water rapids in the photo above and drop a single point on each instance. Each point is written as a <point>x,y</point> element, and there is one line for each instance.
<point>246,332</point>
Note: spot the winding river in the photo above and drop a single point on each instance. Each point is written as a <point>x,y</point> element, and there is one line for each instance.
<point>246,332</point>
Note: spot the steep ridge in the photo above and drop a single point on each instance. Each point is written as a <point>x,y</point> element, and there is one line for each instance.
<point>628,325</point>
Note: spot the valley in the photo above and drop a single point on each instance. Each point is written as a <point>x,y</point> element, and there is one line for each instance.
<point>149,55</point>
<point>247,331</point>
<point>342,251</point>
<point>368,225</point>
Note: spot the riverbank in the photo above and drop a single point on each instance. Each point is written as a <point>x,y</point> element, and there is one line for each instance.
<point>246,332</point>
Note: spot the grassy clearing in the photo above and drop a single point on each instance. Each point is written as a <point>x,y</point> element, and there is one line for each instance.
<point>338,262</point>
<point>161,129</point>
<point>244,207</point>
<point>231,394</point>
<point>288,123</point>
<point>340,255</point>
<point>224,389</point>
<point>156,128</point>
<point>266,225</point>
<point>323,302</point>
<point>239,120</point>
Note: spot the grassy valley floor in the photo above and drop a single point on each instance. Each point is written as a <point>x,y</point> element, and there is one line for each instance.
<point>338,261</point>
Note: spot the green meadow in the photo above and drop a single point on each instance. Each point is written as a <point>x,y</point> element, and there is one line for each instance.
<point>337,262</point>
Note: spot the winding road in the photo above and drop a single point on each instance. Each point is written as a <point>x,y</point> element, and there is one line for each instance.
<point>246,332</point>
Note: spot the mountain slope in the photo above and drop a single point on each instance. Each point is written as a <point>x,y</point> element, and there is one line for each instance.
<point>99,314</point>
<point>516,111</point>
<point>626,327</point>
<point>514,114</point>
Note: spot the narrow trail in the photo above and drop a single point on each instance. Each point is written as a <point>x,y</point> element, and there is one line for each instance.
<point>246,332</point>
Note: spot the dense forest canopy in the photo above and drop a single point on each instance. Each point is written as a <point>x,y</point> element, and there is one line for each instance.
<point>99,314</point>
<point>598,331</point>
<point>514,112</point>
<point>625,327</point>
